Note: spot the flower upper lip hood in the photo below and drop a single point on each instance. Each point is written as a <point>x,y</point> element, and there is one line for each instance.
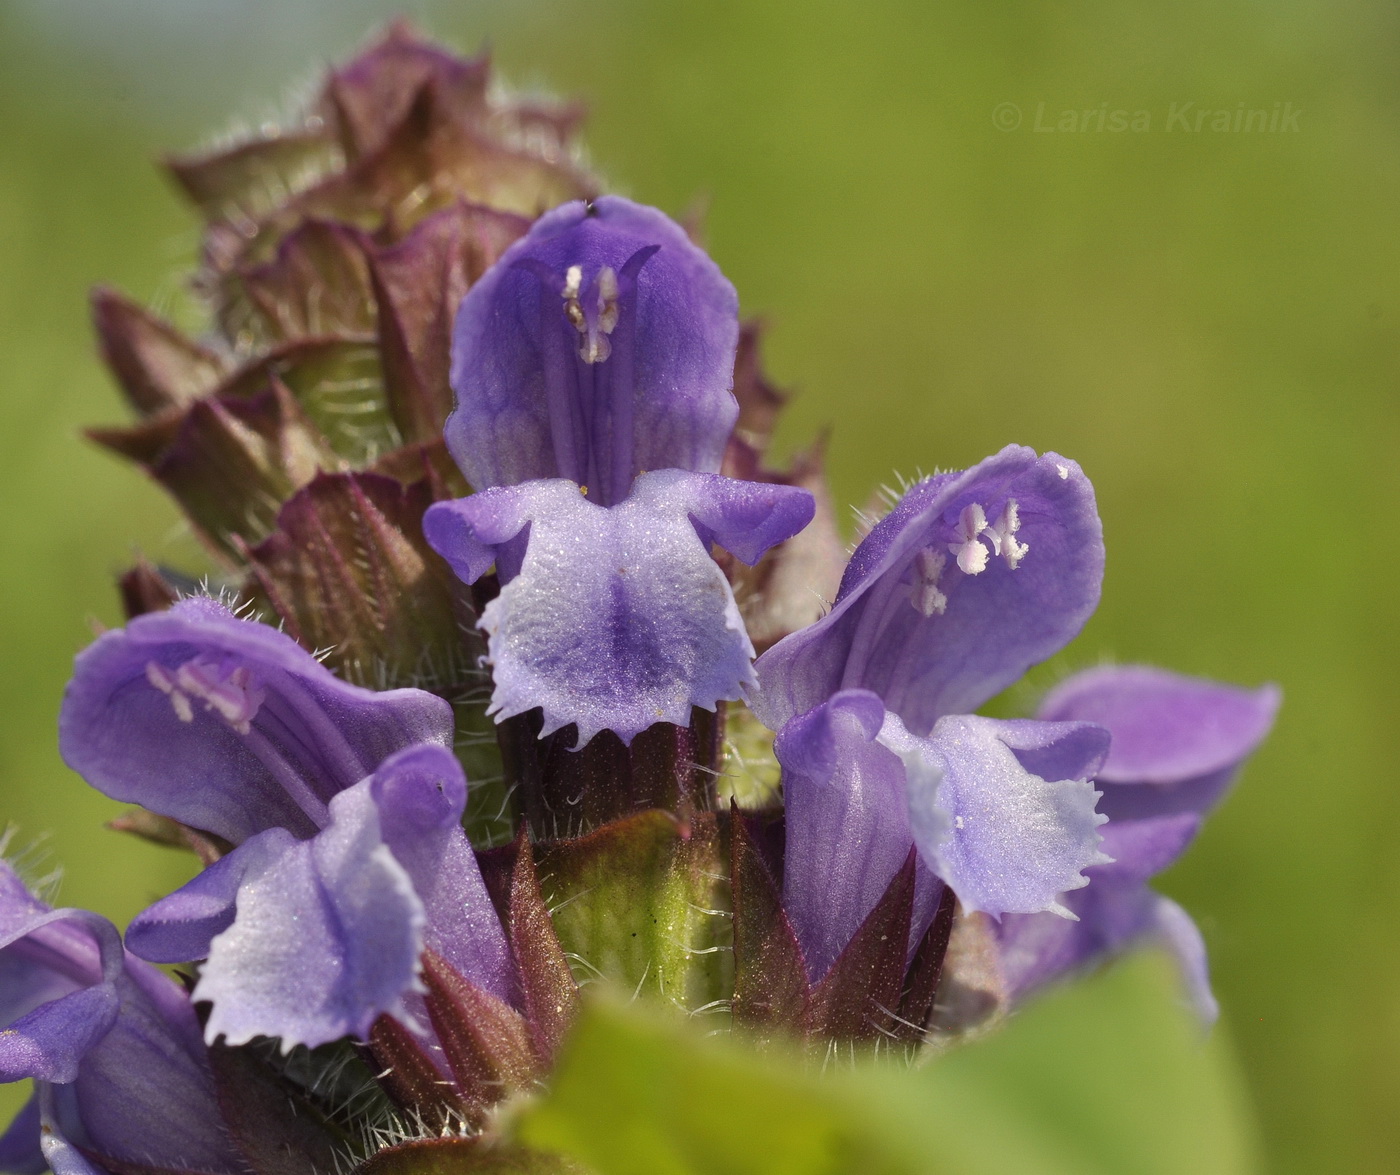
<point>599,346</point>
<point>970,580</point>
<point>227,725</point>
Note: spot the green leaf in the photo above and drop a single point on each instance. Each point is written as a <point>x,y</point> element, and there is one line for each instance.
<point>1108,1076</point>
<point>639,1093</point>
<point>1105,1077</point>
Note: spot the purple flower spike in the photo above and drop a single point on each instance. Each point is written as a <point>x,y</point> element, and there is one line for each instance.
<point>615,617</point>
<point>969,581</point>
<point>112,1044</point>
<point>311,940</point>
<point>228,725</point>
<point>1177,745</point>
<point>601,345</point>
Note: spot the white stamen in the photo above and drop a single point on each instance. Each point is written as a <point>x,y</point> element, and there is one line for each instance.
<point>1003,535</point>
<point>159,676</point>
<point>573,283</point>
<point>971,554</point>
<point>1063,471</point>
<point>183,710</point>
<point>594,348</point>
<point>925,596</point>
<point>574,313</point>
<point>607,300</point>
<point>234,698</point>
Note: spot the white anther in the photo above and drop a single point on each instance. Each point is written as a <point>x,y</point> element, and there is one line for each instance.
<point>234,698</point>
<point>160,677</point>
<point>971,554</point>
<point>181,704</point>
<point>607,299</point>
<point>1063,471</point>
<point>573,283</point>
<point>925,596</point>
<point>1003,535</point>
<point>594,348</point>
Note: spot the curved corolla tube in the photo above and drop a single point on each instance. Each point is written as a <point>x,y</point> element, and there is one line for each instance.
<point>615,617</point>
<point>846,820</point>
<point>228,725</point>
<point>599,346</point>
<point>971,579</point>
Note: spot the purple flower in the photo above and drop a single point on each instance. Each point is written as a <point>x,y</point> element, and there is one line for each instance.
<point>972,578</point>
<point>1178,743</point>
<point>344,804</point>
<point>601,345</point>
<point>113,1046</point>
<point>592,366</point>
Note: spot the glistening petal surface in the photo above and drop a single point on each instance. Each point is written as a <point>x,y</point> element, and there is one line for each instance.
<point>325,939</point>
<point>615,617</point>
<point>181,926</point>
<point>1005,838</point>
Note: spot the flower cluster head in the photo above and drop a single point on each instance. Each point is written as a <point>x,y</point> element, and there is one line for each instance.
<point>479,456</point>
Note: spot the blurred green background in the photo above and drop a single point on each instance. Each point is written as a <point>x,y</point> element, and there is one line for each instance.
<point>1206,321</point>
